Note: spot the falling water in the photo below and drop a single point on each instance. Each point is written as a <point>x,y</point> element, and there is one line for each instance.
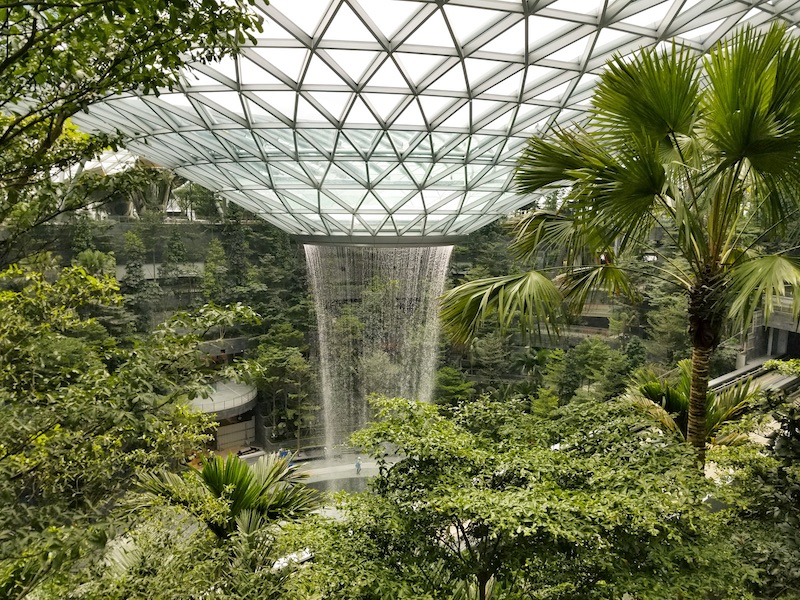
<point>377,315</point>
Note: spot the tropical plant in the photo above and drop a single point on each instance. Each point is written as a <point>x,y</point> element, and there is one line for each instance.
<point>705,149</point>
<point>668,402</point>
<point>163,554</point>
<point>229,495</point>
<point>96,263</point>
<point>504,504</point>
<point>81,412</point>
<point>214,272</point>
<point>58,58</point>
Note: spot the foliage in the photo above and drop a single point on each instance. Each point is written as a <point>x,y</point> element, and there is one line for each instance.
<point>287,384</point>
<point>592,368</point>
<point>764,490</point>
<point>214,272</point>
<point>141,295</point>
<point>667,329</point>
<point>586,503</point>
<point>490,357</point>
<point>197,200</point>
<point>59,58</point>
<point>80,413</point>
<point>452,387</point>
<point>171,266</point>
<point>787,367</point>
<point>97,263</point>
<point>84,233</point>
<point>699,148</point>
<point>166,556</point>
<point>667,401</point>
<point>487,251</point>
<point>228,495</point>
<point>235,241</point>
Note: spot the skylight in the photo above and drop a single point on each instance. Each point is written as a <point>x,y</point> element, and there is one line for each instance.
<point>396,117</point>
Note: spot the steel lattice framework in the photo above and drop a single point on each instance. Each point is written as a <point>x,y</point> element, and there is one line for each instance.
<point>399,118</point>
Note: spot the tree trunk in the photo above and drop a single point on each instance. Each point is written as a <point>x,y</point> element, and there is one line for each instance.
<point>696,428</point>
<point>707,310</point>
<point>482,582</point>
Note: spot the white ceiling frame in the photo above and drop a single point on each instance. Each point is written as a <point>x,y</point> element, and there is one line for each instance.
<point>457,131</point>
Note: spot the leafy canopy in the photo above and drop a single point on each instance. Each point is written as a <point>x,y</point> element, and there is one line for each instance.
<point>587,503</point>
<point>81,412</point>
<point>705,163</point>
<point>58,58</point>
<point>229,495</point>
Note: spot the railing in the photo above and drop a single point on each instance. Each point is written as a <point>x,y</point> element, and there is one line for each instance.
<point>227,395</point>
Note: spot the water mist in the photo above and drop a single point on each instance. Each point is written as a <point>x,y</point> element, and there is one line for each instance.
<point>377,316</point>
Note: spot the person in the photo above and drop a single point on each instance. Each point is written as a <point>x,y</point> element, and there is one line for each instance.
<point>358,466</point>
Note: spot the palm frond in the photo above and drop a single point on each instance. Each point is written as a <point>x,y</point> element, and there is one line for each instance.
<point>655,93</point>
<point>733,438</point>
<point>692,238</point>
<point>530,297</point>
<point>232,479</point>
<point>763,279</point>
<point>568,155</point>
<point>583,284</point>
<point>249,521</point>
<point>730,404</point>
<point>664,395</point>
<point>285,502</point>
<point>736,103</point>
<point>542,230</point>
<point>282,493</point>
<point>683,383</point>
<point>657,413</point>
<point>273,469</point>
<point>623,197</point>
<point>123,556</point>
<point>612,196</point>
<point>169,486</point>
<point>751,112</point>
<point>673,399</point>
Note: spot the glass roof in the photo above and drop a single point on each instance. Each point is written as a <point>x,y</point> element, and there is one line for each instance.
<point>399,118</point>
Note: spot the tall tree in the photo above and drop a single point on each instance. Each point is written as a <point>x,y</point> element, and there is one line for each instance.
<point>58,58</point>
<point>141,295</point>
<point>508,505</point>
<point>80,413</point>
<point>172,265</point>
<point>214,272</point>
<point>705,146</point>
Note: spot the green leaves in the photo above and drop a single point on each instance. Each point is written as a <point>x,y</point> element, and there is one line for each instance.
<point>80,412</point>
<point>662,155</point>
<point>546,507</point>
<point>667,401</point>
<point>631,100</point>
<point>241,497</point>
<point>762,281</point>
<point>532,298</point>
<point>59,58</point>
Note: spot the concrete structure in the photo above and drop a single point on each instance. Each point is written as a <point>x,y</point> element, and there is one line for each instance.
<point>232,405</point>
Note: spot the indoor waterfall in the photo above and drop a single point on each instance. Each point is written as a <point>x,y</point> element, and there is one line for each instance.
<point>377,316</point>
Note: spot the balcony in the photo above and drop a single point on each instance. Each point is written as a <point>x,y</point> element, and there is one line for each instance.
<point>228,399</point>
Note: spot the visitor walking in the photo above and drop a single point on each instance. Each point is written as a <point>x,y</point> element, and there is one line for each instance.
<point>358,466</point>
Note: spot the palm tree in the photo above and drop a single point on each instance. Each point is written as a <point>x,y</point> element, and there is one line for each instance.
<point>668,403</point>
<point>704,148</point>
<point>270,490</point>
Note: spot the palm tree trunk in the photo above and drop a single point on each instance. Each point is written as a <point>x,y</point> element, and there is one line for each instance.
<point>696,428</point>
